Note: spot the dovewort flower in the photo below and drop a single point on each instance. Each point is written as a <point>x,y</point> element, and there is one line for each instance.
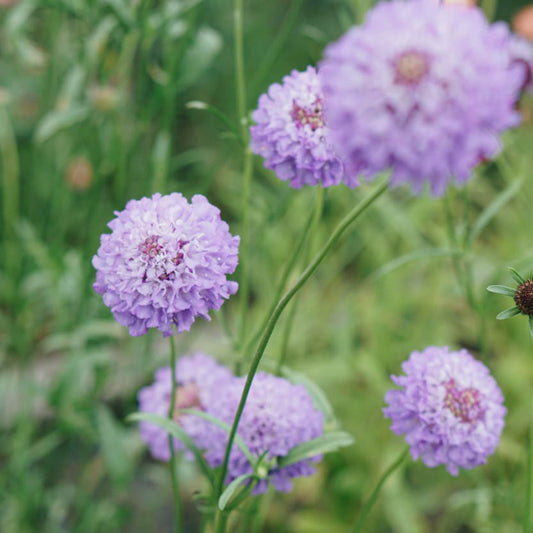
<point>421,89</point>
<point>165,262</point>
<point>277,417</point>
<point>199,379</point>
<point>449,408</point>
<point>291,133</point>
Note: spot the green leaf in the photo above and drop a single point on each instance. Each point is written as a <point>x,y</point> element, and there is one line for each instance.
<point>56,121</point>
<point>492,210</point>
<point>328,442</point>
<point>176,431</point>
<point>508,313</point>
<point>230,490</point>
<point>202,106</point>
<point>531,325</point>
<point>501,289</point>
<point>225,427</point>
<point>517,277</point>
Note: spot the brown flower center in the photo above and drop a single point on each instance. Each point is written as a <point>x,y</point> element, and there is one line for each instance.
<point>524,297</point>
<point>312,117</point>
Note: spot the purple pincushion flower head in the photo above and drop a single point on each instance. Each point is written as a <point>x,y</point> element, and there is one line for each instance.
<point>277,417</point>
<point>165,262</point>
<point>199,380</point>
<point>422,90</point>
<point>291,134</point>
<point>449,408</point>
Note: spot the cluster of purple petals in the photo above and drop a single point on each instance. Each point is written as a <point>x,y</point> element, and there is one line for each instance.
<point>422,90</point>
<point>199,379</point>
<point>449,408</point>
<point>277,417</point>
<point>291,134</point>
<point>165,263</point>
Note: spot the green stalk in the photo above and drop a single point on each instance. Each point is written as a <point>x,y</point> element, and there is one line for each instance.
<point>319,206</point>
<point>240,83</point>
<point>173,474</point>
<point>529,489</point>
<point>353,215</point>
<point>374,496</point>
<point>10,194</point>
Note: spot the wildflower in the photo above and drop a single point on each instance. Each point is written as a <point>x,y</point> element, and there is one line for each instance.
<point>278,416</point>
<point>421,89</point>
<point>165,263</point>
<point>449,407</point>
<point>198,377</point>
<point>522,296</point>
<point>291,133</point>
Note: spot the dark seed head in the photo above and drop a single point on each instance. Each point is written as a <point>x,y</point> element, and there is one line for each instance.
<point>524,297</point>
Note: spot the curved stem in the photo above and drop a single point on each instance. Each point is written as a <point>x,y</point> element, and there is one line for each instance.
<point>173,474</point>
<point>274,317</point>
<point>374,496</point>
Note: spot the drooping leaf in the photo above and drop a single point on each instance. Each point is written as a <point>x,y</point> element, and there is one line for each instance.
<point>329,442</point>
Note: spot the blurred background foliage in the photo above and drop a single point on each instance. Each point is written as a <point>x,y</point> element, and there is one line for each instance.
<point>94,111</point>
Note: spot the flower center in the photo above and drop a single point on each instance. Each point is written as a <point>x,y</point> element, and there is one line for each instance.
<point>464,404</point>
<point>151,247</point>
<point>308,117</point>
<point>524,297</point>
<point>411,67</point>
<point>187,397</point>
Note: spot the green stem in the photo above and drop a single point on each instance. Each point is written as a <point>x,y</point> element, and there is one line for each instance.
<point>240,83</point>
<point>319,205</point>
<point>173,473</point>
<point>10,193</point>
<point>529,489</point>
<point>221,521</point>
<point>374,496</point>
<point>353,215</point>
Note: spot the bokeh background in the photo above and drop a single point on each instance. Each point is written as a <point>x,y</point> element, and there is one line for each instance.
<point>94,111</point>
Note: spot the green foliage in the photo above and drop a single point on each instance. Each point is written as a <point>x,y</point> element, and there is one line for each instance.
<point>100,89</point>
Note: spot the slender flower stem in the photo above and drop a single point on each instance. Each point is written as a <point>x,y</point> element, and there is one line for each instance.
<point>358,210</point>
<point>319,206</point>
<point>374,496</point>
<point>529,489</point>
<point>173,473</point>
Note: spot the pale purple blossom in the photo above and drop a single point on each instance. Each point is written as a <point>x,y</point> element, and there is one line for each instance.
<point>291,133</point>
<point>449,408</point>
<point>423,90</point>
<point>165,263</point>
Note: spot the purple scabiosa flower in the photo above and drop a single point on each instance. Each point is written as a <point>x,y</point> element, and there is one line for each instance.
<point>421,89</point>
<point>165,263</point>
<point>291,134</point>
<point>449,407</point>
<point>199,379</point>
<point>278,416</point>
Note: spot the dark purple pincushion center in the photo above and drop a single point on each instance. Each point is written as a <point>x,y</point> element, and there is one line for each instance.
<point>465,404</point>
<point>311,116</point>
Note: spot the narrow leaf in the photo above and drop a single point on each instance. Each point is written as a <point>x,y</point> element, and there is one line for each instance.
<point>517,277</point>
<point>222,425</point>
<point>328,442</point>
<point>230,490</point>
<point>60,120</point>
<point>176,431</point>
<point>501,289</point>
<point>508,313</point>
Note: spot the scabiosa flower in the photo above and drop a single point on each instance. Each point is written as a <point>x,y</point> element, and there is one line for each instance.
<point>165,263</point>
<point>278,416</point>
<point>199,379</point>
<point>449,407</point>
<point>291,133</point>
<point>421,89</point>
<point>522,296</point>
